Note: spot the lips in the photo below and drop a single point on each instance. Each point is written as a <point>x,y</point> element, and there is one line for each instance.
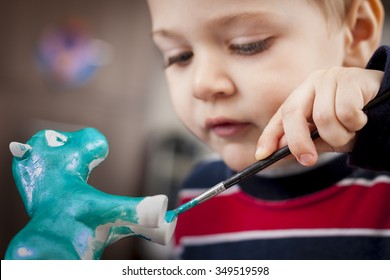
<point>224,127</point>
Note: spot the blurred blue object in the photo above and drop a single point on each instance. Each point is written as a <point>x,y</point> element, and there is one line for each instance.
<point>68,55</point>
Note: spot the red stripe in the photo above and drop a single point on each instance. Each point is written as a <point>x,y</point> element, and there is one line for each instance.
<point>335,207</point>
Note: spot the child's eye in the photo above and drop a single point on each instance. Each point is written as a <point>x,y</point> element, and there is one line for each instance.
<point>180,59</point>
<point>250,48</point>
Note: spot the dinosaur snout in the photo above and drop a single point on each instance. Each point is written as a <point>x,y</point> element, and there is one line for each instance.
<point>95,142</point>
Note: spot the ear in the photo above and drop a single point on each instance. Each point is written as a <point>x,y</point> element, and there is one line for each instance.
<point>19,150</point>
<point>364,24</point>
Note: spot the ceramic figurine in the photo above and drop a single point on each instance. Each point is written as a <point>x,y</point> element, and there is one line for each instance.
<point>70,219</point>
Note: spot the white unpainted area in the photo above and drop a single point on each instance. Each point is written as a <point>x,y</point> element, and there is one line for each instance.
<point>151,210</point>
<point>55,139</point>
<point>19,149</point>
<point>151,224</point>
<point>95,163</point>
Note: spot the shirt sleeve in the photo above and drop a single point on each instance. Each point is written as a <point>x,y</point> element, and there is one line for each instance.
<point>372,146</point>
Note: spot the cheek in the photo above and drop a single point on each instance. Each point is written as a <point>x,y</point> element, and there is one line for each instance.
<point>181,107</point>
<point>181,100</point>
<point>263,94</point>
<point>177,94</point>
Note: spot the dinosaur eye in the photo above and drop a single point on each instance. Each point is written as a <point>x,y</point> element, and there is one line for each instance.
<point>55,139</point>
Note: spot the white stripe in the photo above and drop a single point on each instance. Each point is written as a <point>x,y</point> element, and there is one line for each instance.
<point>191,193</point>
<point>364,182</point>
<point>273,234</point>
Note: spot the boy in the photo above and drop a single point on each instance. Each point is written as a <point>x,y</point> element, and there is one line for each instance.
<point>248,77</point>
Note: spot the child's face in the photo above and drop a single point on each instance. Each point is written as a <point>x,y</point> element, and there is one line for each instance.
<point>231,63</point>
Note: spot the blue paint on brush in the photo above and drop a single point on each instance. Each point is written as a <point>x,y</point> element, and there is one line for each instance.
<point>172,214</point>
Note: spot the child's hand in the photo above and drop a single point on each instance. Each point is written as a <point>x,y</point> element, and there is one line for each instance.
<point>330,101</point>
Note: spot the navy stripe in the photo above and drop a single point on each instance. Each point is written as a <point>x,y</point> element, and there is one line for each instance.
<point>317,248</point>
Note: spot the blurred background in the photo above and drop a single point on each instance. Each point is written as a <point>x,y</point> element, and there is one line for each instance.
<point>71,64</point>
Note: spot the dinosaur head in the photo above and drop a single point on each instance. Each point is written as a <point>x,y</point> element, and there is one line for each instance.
<point>50,156</point>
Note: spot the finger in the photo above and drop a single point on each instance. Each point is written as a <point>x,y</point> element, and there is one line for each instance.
<point>349,105</point>
<point>352,97</point>
<point>270,137</point>
<point>329,127</point>
<point>296,114</point>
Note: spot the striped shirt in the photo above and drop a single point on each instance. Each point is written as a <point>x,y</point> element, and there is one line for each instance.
<point>264,219</point>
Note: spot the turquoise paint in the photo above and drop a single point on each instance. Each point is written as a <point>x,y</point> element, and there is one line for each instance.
<point>70,219</point>
<point>171,215</point>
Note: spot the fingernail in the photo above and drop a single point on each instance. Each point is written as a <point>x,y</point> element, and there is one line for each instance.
<point>306,159</point>
<point>260,153</point>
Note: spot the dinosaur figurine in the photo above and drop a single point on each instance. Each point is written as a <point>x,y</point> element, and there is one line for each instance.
<point>70,219</point>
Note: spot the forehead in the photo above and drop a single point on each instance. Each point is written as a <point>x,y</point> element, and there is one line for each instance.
<point>174,14</point>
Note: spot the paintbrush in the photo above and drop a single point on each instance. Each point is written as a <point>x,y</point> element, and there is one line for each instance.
<point>250,170</point>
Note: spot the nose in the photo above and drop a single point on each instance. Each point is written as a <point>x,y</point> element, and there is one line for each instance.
<point>94,141</point>
<point>211,78</point>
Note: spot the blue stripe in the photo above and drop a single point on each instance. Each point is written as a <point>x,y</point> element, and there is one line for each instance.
<point>318,248</point>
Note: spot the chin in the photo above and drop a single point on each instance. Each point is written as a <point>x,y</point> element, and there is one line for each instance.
<point>237,156</point>
<point>239,162</point>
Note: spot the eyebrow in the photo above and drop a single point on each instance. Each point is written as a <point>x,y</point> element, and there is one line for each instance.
<point>164,33</point>
<point>244,16</point>
<point>226,20</point>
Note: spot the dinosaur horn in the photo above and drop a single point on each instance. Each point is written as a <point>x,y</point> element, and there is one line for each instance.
<point>19,149</point>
